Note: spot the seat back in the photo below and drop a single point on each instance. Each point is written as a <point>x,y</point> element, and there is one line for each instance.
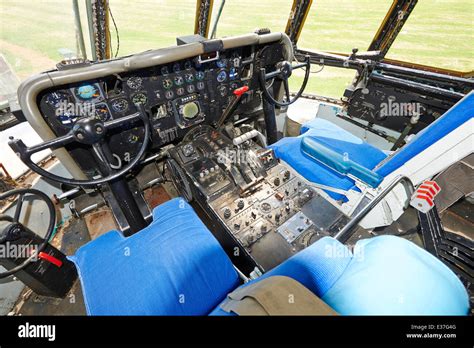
<point>173,267</point>
<point>452,119</point>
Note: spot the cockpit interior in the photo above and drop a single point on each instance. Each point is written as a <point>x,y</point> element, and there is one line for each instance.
<point>176,183</point>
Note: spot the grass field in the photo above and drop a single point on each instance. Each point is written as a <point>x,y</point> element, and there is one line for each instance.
<point>438,33</point>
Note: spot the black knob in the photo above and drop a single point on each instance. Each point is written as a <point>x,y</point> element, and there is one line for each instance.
<point>237,226</point>
<point>240,204</point>
<point>286,175</point>
<point>227,213</point>
<point>276,181</point>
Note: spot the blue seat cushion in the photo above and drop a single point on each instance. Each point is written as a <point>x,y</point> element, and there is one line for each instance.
<point>339,140</point>
<point>384,275</point>
<point>172,267</point>
<point>317,267</point>
<point>390,275</point>
<point>452,119</point>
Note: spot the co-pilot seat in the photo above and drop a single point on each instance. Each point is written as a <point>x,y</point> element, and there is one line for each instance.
<point>328,155</point>
<point>176,267</point>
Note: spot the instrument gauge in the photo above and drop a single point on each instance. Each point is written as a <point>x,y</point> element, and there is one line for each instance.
<point>164,70</point>
<point>190,88</point>
<point>101,112</point>
<point>169,94</point>
<point>200,85</point>
<point>120,105</point>
<point>221,76</point>
<point>180,91</point>
<point>188,65</point>
<point>200,75</point>
<point>167,83</point>
<point>134,82</point>
<point>178,80</point>
<point>222,63</point>
<point>139,98</point>
<point>87,92</point>
<point>176,67</point>
<point>189,77</point>
<point>233,74</point>
<point>56,99</point>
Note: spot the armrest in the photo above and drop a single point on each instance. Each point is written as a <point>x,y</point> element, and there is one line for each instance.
<point>337,162</point>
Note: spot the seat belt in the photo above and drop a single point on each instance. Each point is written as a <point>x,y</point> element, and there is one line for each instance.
<point>277,295</point>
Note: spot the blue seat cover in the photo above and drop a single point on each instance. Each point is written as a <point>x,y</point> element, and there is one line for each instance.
<point>390,275</point>
<point>317,267</point>
<point>460,113</point>
<point>335,138</point>
<point>173,267</point>
<point>385,275</point>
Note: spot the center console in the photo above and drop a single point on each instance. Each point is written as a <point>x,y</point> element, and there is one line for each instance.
<point>264,208</point>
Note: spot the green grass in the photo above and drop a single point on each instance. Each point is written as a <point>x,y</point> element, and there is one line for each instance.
<point>439,32</point>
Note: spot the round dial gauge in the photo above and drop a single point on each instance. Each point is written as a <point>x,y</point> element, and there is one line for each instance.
<point>180,91</point>
<point>134,82</point>
<point>190,88</point>
<point>189,77</point>
<point>222,63</point>
<point>164,70</point>
<point>200,75</point>
<point>178,80</point>
<point>190,110</point>
<point>200,85</point>
<point>169,94</point>
<point>120,105</point>
<point>221,76</point>
<point>167,83</point>
<point>139,98</point>
<point>188,65</point>
<point>87,92</point>
<point>176,67</point>
<point>101,112</point>
<point>55,99</point>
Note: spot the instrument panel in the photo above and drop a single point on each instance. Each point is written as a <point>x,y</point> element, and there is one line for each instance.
<point>176,96</point>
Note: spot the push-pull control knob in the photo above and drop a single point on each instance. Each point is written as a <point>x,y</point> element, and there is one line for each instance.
<point>276,181</point>
<point>286,175</point>
<point>240,204</point>
<point>227,213</point>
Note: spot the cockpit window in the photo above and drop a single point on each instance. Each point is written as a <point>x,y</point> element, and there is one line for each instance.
<point>439,34</point>
<point>339,26</point>
<point>151,24</point>
<point>244,16</point>
<point>35,35</point>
